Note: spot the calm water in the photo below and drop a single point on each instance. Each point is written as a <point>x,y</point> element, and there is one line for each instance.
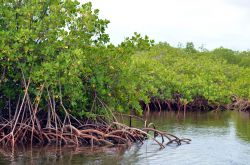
<point>217,138</point>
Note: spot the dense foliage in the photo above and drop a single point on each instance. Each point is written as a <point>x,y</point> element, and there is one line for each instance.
<point>60,50</point>
<point>194,73</point>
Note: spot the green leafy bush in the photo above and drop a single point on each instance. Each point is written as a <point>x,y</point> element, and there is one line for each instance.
<point>62,48</point>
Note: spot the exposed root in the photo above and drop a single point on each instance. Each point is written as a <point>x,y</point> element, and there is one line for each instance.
<point>27,129</point>
<point>85,134</point>
<point>239,104</point>
<point>26,126</point>
<point>198,103</point>
<point>177,104</point>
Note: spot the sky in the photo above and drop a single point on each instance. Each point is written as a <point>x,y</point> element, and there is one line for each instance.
<point>207,23</point>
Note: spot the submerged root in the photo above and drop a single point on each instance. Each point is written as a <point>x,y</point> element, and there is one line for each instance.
<point>28,125</point>
<point>25,132</point>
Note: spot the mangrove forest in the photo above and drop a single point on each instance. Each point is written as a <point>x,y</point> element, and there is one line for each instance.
<point>62,82</point>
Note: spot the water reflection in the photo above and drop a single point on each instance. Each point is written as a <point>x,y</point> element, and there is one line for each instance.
<point>242,122</point>
<point>209,119</point>
<point>217,138</point>
<point>65,155</point>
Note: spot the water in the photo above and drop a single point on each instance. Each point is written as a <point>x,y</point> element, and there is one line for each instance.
<point>217,138</point>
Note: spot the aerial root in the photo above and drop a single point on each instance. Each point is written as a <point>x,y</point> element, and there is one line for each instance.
<point>86,134</point>
<point>25,126</point>
<point>28,124</point>
<point>239,104</point>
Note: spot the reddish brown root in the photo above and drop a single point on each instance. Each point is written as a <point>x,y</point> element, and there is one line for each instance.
<point>24,126</point>
<point>26,132</point>
<point>239,104</point>
<point>198,103</point>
